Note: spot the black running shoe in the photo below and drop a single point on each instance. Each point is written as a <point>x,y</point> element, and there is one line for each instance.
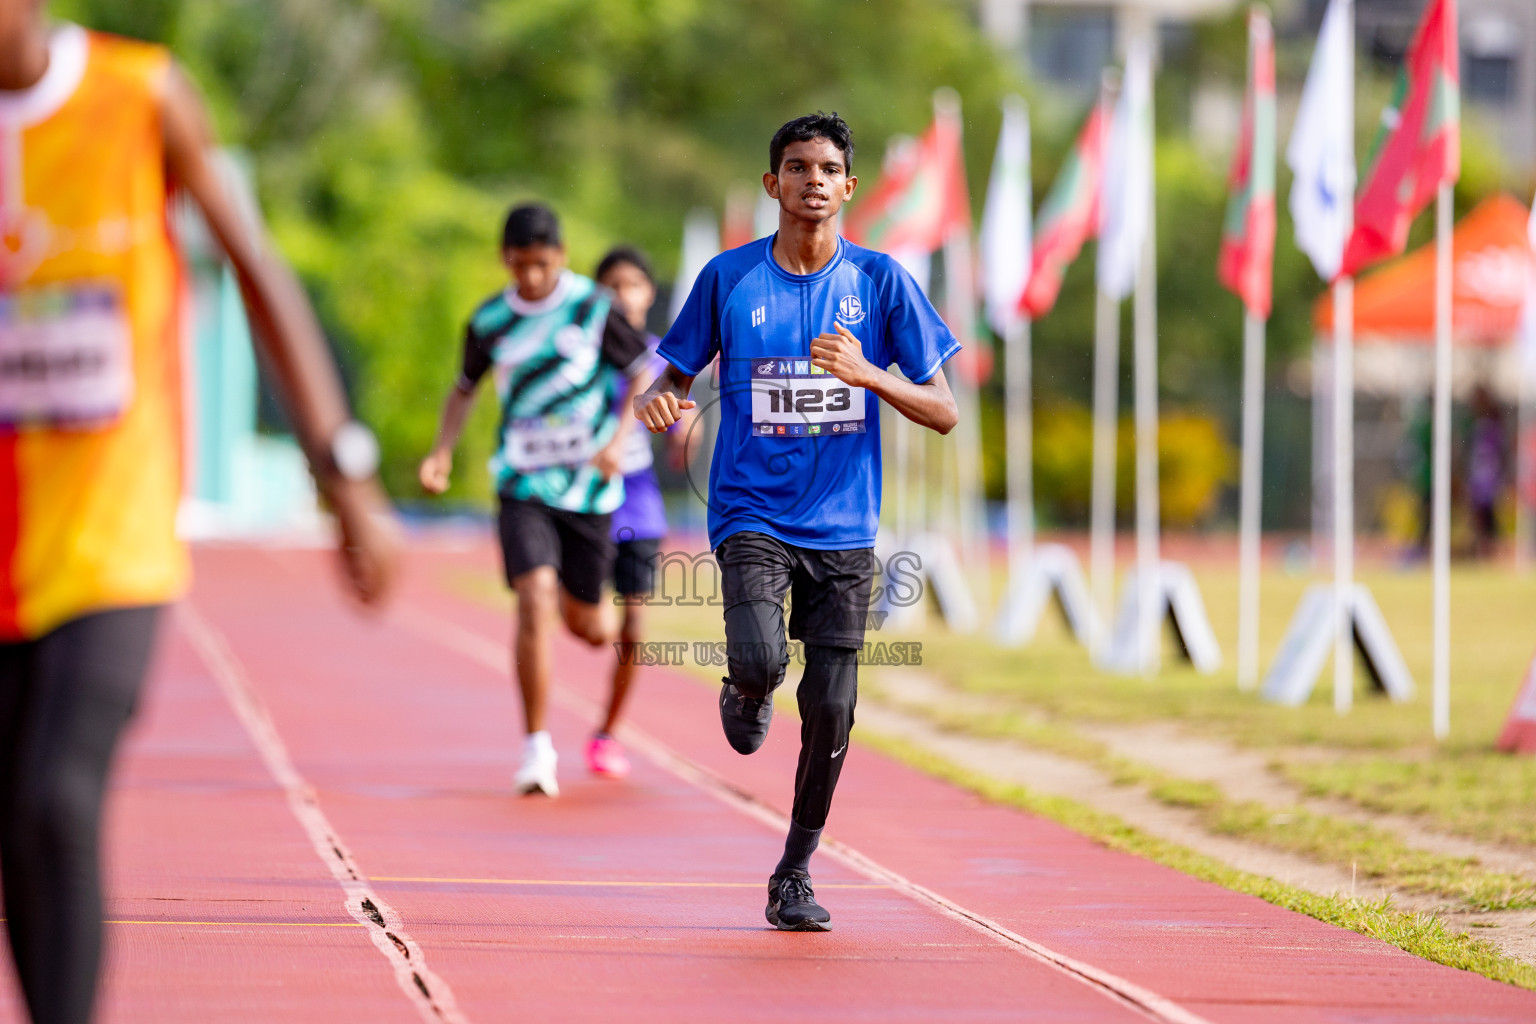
<point>792,905</point>
<point>745,719</point>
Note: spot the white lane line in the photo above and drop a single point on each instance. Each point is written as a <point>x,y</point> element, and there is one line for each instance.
<point>430,994</point>
<point>1127,993</point>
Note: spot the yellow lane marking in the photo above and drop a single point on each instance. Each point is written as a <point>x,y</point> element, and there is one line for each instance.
<point>613,883</point>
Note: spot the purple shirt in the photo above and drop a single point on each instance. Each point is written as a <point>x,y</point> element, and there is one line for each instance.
<point>643,515</point>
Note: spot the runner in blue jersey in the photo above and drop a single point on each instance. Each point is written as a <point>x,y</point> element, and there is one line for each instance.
<point>561,356</point>
<point>641,522</point>
<point>804,324</point>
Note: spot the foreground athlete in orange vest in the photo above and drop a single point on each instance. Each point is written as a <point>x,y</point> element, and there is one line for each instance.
<point>95,132</point>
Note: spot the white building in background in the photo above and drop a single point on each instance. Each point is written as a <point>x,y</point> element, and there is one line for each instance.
<point>1066,42</point>
<point>1498,61</point>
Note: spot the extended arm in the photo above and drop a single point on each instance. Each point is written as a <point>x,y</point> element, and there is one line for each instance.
<point>438,465</point>
<point>929,404</point>
<point>607,460</point>
<point>664,402</point>
<point>289,337</point>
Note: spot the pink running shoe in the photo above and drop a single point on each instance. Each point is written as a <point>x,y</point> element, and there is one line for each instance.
<point>605,756</point>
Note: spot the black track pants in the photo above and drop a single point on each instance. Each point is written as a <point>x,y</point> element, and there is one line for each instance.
<point>64,699</point>
<point>829,596</point>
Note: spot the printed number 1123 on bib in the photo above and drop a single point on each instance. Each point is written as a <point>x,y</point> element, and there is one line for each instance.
<point>792,398</point>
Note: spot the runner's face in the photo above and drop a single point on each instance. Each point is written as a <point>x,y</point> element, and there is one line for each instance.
<point>633,290</point>
<point>813,181</point>
<point>535,268</point>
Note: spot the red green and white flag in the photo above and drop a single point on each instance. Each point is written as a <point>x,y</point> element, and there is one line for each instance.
<point>1247,256</point>
<point>1419,146</point>
<point>1068,217</point>
<point>919,201</point>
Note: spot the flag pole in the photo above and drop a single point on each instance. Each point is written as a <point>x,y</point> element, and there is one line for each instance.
<point>1145,305</point>
<point>1020,447</point>
<point>1441,517</point>
<point>1257,160</point>
<point>1106,387</point>
<point>960,288</point>
<point>1106,393</point>
<point>1147,512</point>
<point>1253,463</point>
<point>1343,383</point>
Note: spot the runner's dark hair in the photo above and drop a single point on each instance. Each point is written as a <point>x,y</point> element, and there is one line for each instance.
<point>621,254</point>
<point>812,126</point>
<point>530,224</point>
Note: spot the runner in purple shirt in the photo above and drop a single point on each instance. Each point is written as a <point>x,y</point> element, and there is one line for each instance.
<point>641,522</point>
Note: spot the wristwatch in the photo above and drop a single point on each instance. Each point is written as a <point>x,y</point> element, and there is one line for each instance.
<point>354,452</point>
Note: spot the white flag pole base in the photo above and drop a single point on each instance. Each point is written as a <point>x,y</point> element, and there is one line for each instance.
<point>1053,571</point>
<point>1311,637</point>
<point>1176,599</point>
<point>926,562</point>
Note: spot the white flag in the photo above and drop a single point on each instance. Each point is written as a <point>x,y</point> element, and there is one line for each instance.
<point>1321,152</point>
<point>1005,241</point>
<point>1125,210</point>
<point>701,243</point>
<point>1527,339</point>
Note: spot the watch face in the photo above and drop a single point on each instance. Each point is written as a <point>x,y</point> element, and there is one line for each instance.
<point>355,451</point>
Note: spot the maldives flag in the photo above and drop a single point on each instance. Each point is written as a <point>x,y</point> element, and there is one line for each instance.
<point>1248,238</point>
<point>1068,217</point>
<point>1419,146</point>
<point>921,198</point>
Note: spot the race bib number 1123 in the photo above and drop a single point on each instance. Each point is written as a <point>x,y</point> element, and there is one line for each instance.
<point>792,398</point>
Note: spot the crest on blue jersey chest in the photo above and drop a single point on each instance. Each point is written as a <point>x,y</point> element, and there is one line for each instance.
<point>850,310</point>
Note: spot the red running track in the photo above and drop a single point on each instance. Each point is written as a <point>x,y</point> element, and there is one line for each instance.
<point>312,822</point>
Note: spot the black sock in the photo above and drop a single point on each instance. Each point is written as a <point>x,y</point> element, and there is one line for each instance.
<point>798,847</point>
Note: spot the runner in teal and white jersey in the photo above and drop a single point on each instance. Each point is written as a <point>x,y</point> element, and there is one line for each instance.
<point>561,357</point>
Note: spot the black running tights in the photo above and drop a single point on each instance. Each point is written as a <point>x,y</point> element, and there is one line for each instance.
<point>64,699</point>
<point>828,691</point>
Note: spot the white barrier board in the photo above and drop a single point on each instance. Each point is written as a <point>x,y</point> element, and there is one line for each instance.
<point>1179,604</point>
<point>1053,571</point>
<point>931,559</point>
<point>1309,640</point>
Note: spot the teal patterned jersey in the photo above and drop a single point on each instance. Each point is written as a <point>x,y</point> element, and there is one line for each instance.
<point>558,366</point>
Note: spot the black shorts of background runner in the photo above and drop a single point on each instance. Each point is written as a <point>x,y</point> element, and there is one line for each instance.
<point>829,607</point>
<point>64,699</point>
<point>576,544</point>
<point>634,566</point>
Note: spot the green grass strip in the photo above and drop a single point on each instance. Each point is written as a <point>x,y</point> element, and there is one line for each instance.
<point>1380,855</point>
<point>1423,935</point>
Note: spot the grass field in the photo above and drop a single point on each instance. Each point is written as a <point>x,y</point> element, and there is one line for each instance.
<point>1381,755</point>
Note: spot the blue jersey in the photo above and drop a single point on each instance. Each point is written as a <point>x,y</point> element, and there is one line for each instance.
<point>798,453</point>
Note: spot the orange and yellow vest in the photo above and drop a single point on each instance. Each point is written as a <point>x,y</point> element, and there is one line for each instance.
<point>90,340</point>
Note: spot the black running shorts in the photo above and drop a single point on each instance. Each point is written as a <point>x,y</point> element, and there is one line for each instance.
<point>828,590</point>
<point>634,566</point>
<point>576,544</point>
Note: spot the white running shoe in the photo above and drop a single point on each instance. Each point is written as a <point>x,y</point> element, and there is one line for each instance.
<point>537,774</point>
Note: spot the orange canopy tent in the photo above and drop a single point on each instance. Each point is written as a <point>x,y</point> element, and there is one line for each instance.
<point>1491,261</point>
